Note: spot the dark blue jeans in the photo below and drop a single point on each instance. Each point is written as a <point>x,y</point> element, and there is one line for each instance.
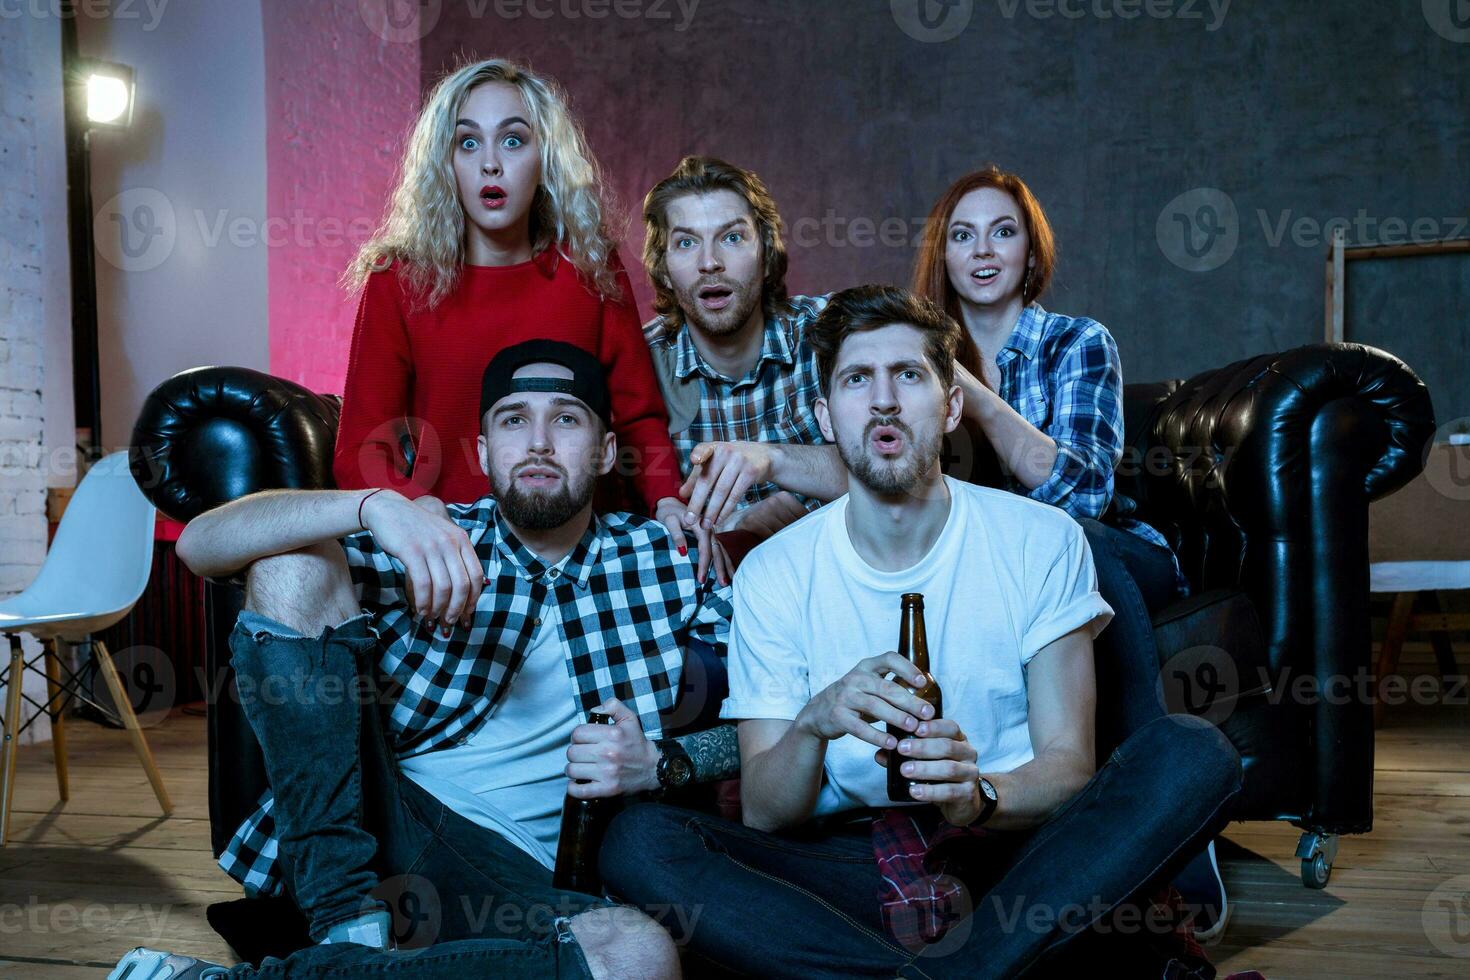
<point>806,903</point>
<point>356,835</point>
<point>1135,577</point>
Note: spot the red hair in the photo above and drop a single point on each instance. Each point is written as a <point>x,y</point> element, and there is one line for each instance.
<point>931,272</point>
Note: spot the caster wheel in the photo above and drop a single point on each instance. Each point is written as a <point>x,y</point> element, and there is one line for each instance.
<point>1316,871</point>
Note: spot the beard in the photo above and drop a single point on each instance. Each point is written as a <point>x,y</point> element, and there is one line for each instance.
<point>744,298</point>
<point>542,510</point>
<point>886,477</point>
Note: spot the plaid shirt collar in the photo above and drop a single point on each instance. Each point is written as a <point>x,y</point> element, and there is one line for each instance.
<point>776,345</point>
<point>1026,338</point>
<point>496,534</point>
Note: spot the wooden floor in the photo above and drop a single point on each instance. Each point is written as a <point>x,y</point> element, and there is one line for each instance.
<point>81,883</point>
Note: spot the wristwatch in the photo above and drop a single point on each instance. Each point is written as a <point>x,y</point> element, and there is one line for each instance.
<point>675,768</point>
<point>988,801</point>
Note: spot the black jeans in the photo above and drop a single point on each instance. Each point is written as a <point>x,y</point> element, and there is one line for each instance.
<point>805,904</point>
<point>1134,577</point>
<point>356,835</point>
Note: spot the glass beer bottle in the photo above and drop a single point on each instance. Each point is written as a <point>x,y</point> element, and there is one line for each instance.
<point>913,646</point>
<point>582,825</point>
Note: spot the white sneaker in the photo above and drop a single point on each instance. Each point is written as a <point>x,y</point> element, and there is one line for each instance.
<point>149,964</point>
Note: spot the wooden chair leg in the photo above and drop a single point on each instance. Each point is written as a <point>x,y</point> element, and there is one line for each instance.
<point>1393,645</point>
<point>58,717</point>
<point>130,721</point>
<point>1444,652</point>
<point>11,731</point>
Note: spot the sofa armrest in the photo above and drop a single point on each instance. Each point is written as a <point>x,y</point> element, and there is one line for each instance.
<point>211,434</point>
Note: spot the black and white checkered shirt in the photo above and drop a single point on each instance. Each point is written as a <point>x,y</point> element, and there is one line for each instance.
<point>627,600</point>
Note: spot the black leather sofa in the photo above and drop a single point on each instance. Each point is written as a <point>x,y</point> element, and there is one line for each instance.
<point>1260,473</point>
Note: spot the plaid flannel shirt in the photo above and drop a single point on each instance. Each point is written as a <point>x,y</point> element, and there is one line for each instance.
<point>1062,374</point>
<point>627,600</point>
<point>772,403</point>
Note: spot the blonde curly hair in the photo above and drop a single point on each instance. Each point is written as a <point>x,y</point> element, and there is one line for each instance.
<point>425,227</point>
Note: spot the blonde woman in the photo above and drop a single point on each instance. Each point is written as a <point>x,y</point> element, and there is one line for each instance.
<point>496,234</point>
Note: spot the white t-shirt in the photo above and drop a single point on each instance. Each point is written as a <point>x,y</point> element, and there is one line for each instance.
<point>1005,577</point>
<point>510,776</point>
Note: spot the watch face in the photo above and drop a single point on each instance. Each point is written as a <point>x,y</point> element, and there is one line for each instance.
<point>679,771</point>
<point>987,789</point>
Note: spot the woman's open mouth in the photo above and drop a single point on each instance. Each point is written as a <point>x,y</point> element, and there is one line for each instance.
<point>985,275</point>
<point>492,197</point>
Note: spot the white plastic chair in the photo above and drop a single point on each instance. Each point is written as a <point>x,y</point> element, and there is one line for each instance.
<point>96,569</point>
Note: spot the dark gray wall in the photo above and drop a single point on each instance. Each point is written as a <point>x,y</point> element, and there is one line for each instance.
<point>1293,109</point>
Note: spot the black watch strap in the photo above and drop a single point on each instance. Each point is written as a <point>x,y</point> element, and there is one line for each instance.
<point>989,801</point>
<point>675,768</point>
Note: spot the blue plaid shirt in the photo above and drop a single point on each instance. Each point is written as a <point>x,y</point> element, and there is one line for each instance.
<point>627,600</point>
<point>1062,374</point>
<point>772,403</point>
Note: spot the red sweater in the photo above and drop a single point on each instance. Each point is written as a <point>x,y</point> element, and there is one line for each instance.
<point>424,365</point>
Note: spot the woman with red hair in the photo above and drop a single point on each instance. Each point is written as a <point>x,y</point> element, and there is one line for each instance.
<point>1045,391</point>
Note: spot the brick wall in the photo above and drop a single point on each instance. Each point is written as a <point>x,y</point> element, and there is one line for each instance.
<point>341,90</point>
<point>22,332</point>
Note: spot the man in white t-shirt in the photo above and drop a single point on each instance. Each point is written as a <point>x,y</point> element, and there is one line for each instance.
<point>1011,608</point>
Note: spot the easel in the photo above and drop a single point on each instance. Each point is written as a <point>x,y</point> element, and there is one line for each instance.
<point>1403,620</point>
<point>1340,254</point>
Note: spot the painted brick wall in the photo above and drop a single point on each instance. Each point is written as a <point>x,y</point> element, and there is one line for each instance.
<point>22,334</point>
<point>342,87</point>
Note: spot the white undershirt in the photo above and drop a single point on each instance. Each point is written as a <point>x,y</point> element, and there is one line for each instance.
<point>510,776</point>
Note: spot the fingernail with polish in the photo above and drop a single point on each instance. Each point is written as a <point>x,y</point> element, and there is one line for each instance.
<point>683,551</point>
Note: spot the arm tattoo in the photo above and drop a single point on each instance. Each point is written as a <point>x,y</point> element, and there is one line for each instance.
<point>715,753</point>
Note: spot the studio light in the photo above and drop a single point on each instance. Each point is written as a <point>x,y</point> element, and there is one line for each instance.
<point>109,94</point>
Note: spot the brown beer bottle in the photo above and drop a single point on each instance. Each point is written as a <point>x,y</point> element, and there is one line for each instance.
<point>913,646</point>
<point>583,823</point>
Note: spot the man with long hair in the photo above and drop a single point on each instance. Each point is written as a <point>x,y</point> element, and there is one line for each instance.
<point>729,347</point>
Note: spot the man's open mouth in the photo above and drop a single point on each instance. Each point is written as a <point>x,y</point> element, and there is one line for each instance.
<point>886,440</point>
<point>715,297</point>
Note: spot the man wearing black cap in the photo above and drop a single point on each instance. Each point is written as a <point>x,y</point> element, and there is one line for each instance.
<point>491,635</point>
